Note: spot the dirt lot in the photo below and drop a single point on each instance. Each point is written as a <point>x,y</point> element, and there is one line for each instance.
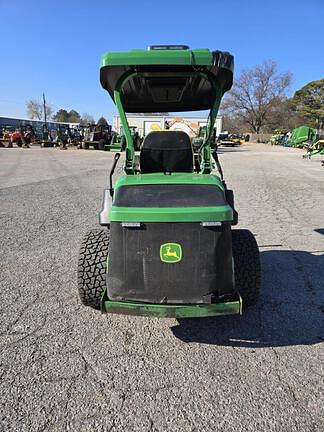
<point>66,367</point>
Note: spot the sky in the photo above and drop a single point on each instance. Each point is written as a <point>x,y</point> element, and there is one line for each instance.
<point>55,46</point>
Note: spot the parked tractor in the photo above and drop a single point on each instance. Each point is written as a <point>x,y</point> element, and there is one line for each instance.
<point>135,137</point>
<point>97,136</point>
<point>64,137</point>
<point>47,139</point>
<point>226,139</point>
<point>278,137</point>
<point>22,137</point>
<point>118,141</point>
<point>316,148</point>
<point>199,139</point>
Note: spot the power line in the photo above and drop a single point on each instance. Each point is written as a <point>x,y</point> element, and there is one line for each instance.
<point>12,102</point>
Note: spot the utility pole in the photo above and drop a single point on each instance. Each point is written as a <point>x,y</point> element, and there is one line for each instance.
<point>44,104</point>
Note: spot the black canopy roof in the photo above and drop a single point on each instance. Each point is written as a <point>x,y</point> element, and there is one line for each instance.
<point>167,81</point>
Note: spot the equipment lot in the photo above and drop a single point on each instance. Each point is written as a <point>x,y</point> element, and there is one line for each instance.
<point>66,367</point>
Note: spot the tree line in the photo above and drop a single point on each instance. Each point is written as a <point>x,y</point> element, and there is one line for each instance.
<point>35,110</point>
<point>258,102</point>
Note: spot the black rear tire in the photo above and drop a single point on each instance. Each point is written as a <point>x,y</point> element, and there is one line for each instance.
<point>247,267</point>
<point>92,267</point>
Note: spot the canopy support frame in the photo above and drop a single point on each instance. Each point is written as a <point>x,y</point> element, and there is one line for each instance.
<point>205,147</point>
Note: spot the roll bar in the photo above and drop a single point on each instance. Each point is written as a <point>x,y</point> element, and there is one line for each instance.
<point>205,147</point>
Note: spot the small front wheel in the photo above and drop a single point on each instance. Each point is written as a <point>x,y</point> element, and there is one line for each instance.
<point>92,267</point>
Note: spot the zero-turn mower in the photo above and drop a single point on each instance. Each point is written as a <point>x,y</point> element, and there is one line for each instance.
<point>166,247</point>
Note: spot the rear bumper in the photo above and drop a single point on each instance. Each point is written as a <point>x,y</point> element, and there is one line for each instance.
<point>232,307</point>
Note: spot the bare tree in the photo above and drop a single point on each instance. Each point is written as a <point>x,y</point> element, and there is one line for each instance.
<point>256,94</point>
<point>34,109</point>
<point>234,124</point>
<point>87,118</point>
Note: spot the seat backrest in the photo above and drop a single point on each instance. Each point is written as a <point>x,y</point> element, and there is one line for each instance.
<point>166,151</point>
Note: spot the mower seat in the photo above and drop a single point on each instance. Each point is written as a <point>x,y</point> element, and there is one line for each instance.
<point>166,151</point>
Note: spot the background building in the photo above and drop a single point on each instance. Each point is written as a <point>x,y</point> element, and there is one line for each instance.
<point>148,123</point>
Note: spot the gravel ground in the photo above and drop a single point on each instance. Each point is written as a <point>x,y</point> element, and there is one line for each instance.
<point>66,367</point>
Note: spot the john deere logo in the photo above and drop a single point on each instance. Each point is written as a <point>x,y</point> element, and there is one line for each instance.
<point>170,253</point>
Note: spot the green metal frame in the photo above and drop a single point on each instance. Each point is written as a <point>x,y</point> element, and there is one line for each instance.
<point>205,148</point>
<point>315,149</point>
<point>206,153</point>
<point>130,153</point>
<point>158,214</point>
<point>198,57</point>
<point>161,178</point>
<point>232,307</point>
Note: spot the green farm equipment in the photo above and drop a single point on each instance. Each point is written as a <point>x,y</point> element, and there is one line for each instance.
<point>166,247</point>
<point>120,140</point>
<point>198,140</point>
<point>316,148</point>
<point>302,136</point>
<point>278,137</point>
<point>116,141</point>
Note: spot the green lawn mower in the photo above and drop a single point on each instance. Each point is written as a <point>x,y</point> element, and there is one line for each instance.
<point>167,248</point>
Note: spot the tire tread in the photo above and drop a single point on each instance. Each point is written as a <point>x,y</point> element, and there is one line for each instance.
<point>92,267</point>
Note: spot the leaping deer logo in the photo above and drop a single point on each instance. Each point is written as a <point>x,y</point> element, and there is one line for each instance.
<point>170,253</point>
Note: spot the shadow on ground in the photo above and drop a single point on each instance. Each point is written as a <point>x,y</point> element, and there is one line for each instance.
<point>221,150</point>
<point>290,310</point>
